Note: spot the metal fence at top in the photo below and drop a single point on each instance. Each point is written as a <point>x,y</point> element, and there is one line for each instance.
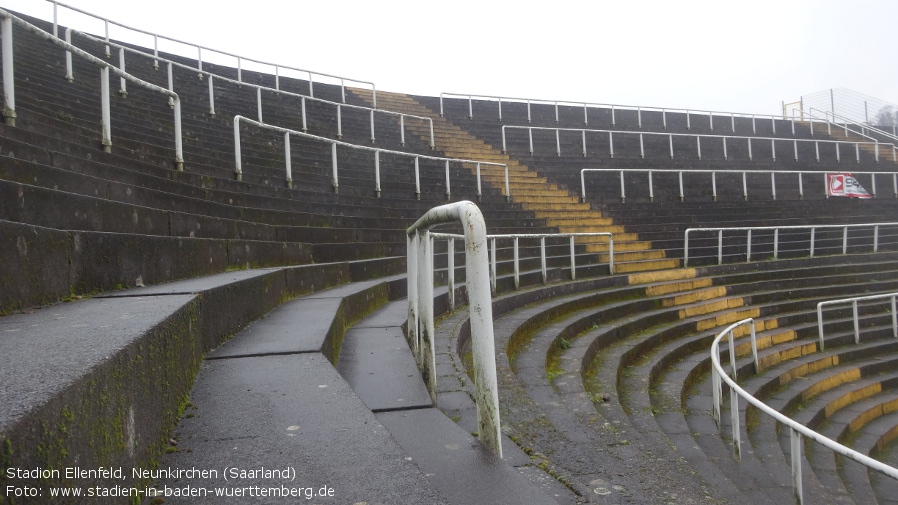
<point>199,51</point>
<point>613,108</point>
<point>858,107</point>
<point>259,88</point>
<point>9,101</point>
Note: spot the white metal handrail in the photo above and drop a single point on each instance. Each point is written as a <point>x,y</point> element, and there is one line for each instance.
<point>200,49</point>
<point>854,301</point>
<point>420,311</point>
<point>776,229</point>
<point>613,107</point>
<point>845,123</point>
<point>698,136</point>
<point>377,152</point>
<point>9,108</point>
<point>744,173</point>
<point>211,77</point>
<point>797,430</point>
<point>450,238</point>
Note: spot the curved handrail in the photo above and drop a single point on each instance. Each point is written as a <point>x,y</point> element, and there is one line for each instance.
<point>258,87</point>
<point>698,136</point>
<point>776,230</point>
<point>797,429</point>
<point>420,313</point>
<point>200,49</point>
<point>873,129</point>
<point>106,68</point>
<point>238,170</point>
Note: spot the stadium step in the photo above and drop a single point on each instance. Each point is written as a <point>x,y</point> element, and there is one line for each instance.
<point>552,202</point>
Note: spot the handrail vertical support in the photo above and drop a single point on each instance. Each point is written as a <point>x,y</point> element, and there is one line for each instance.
<point>542,257</point>
<point>287,160</point>
<point>9,92</point>
<point>105,114</point>
<point>573,261</point>
<point>335,181</point>
<point>795,449</point>
<point>517,265</point>
<point>377,173</point>
<point>450,268</point>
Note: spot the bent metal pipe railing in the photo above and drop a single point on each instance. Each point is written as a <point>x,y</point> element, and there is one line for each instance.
<point>450,238</point>
<point>613,107</point>
<point>238,170</point>
<point>200,49</point>
<point>854,301</point>
<point>212,77</point>
<point>830,123</point>
<point>420,310</point>
<point>797,430</point>
<point>776,230</point>
<point>698,142</point>
<point>9,108</point>
<point>744,173</point>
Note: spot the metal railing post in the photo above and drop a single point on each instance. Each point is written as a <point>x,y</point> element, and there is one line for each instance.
<point>179,143</point>
<point>795,449</point>
<point>573,261</point>
<point>69,75</point>
<point>448,188</point>
<point>377,173</point>
<point>335,182</point>
<point>450,267</point>
<point>493,276</point>
<point>417,179</point>
<point>211,97</point>
<point>123,90</point>
<point>517,266</point>
<point>9,91</point>
<point>542,258</point>
<point>427,351</point>
<point>105,125</point>
<point>339,121</point>
<point>287,160</point>
<point>238,168</point>
<point>411,261</point>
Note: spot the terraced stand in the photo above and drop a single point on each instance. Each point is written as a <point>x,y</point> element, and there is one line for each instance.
<point>603,381</point>
<point>612,377</point>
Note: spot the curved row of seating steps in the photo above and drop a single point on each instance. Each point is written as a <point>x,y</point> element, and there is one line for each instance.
<point>560,320</point>
<point>486,117</point>
<point>185,208</point>
<point>565,170</point>
<point>422,446</point>
<point>703,247</point>
<point>217,134</point>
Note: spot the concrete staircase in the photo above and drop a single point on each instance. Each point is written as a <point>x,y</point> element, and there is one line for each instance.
<point>533,192</point>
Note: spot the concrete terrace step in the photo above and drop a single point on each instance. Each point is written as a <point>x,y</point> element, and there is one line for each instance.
<point>455,142</point>
<point>116,403</point>
<point>381,369</point>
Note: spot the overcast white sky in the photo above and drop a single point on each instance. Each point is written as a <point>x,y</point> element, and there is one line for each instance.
<point>719,55</point>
